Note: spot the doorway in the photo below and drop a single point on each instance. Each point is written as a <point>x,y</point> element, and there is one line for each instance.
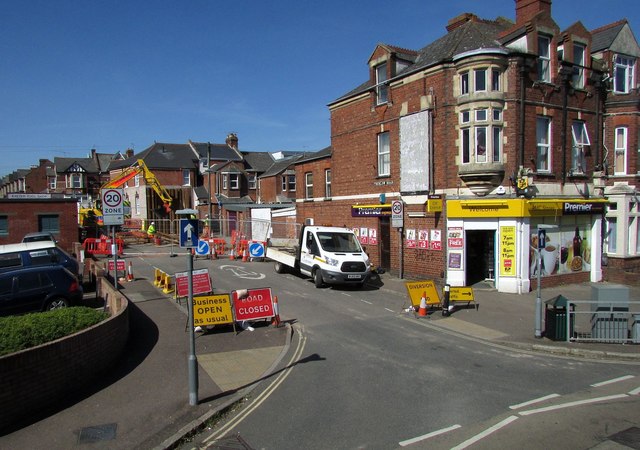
<point>385,243</point>
<point>480,256</point>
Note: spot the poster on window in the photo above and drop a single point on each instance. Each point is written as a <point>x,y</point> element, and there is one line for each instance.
<point>423,239</point>
<point>508,251</point>
<point>411,238</point>
<point>455,260</point>
<point>435,243</point>
<point>567,249</point>
<point>364,236</point>
<point>373,236</point>
<point>455,238</point>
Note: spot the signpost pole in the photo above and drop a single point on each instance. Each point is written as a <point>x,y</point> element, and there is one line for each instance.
<point>114,250</point>
<point>193,361</point>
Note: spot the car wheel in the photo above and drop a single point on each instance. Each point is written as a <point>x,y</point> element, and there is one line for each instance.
<point>279,267</point>
<point>317,278</point>
<point>56,303</point>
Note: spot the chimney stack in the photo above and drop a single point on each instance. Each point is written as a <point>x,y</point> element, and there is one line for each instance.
<point>460,20</point>
<point>526,9</point>
<point>129,153</point>
<point>232,141</point>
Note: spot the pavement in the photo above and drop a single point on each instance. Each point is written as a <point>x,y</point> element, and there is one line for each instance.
<point>144,401</point>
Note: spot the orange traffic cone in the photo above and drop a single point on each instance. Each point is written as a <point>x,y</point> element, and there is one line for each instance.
<point>214,255</point>
<point>231,255</point>
<point>276,313</point>
<point>423,305</point>
<point>245,255</point>
<point>130,273</point>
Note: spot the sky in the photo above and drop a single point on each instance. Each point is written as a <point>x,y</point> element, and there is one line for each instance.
<point>111,75</point>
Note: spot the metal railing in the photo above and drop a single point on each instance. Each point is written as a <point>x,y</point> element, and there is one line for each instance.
<point>598,321</point>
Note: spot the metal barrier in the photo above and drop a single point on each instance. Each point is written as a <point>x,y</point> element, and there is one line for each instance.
<point>101,246</point>
<point>593,321</point>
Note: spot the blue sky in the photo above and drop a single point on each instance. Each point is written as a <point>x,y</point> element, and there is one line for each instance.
<point>116,74</point>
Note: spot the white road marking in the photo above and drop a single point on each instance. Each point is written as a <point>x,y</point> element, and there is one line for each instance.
<point>536,400</point>
<point>429,435</point>
<point>636,391</point>
<point>364,301</point>
<point>614,380</point>
<point>390,310</point>
<point>571,404</point>
<point>263,396</point>
<point>485,433</point>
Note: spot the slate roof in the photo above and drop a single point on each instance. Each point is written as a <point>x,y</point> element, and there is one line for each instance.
<point>163,156</point>
<point>280,166</point>
<point>603,37</point>
<point>257,161</point>
<point>472,35</point>
<point>64,164</point>
<point>219,152</point>
<point>320,154</point>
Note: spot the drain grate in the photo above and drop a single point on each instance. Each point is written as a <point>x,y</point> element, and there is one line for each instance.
<point>97,433</point>
<point>629,437</point>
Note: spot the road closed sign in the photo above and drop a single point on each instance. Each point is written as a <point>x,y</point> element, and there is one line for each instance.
<point>212,310</point>
<point>257,304</point>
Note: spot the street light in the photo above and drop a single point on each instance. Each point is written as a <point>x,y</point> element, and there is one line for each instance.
<point>192,361</point>
<point>542,241</point>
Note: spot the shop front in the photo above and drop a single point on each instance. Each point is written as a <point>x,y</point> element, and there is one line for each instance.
<point>496,240</point>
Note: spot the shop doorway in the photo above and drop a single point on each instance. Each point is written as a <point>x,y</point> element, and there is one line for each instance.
<point>385,243</point>
<point>480,256</point>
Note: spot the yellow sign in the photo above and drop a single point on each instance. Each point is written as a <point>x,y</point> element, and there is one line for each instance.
<point>417,289</point>
<point>508,251</point>
<point>461,294</point>
<point>212,310</point>
<point>519,207</point>
<point>434,203</point>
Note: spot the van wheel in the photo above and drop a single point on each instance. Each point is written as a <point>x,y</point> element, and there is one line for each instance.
<point>317,278</point>
<point>279,267</point>
<point>56,303</point>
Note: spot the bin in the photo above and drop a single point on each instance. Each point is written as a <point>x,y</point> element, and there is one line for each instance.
<point>555,319</point>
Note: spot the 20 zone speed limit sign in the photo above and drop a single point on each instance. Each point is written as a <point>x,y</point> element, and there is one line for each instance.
<point>113,206</point>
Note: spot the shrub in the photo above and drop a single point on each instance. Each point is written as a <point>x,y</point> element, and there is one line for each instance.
<point>22,332</point>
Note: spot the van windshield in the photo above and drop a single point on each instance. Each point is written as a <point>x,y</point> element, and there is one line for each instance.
<point>339,242</point>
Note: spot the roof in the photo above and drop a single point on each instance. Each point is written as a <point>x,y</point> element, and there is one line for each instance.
<point>320,154</point>
<point>163,156</point>
<point>64,164</point>
<point>257,161</point>
<point>219,152</point>
<point>603,37</point>
<point>472,35</point>
<point>280,166</point>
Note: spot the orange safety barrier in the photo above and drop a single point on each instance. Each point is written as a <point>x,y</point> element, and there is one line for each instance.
<point>101,246</point>
<point>220,246</point>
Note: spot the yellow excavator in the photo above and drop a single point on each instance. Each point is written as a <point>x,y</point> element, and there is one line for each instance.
<point>139,167</point>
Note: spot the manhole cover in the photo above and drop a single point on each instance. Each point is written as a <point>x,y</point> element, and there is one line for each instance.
<point>98,433</point>
<point>629,437</point>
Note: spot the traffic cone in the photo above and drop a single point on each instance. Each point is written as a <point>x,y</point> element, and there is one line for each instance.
<point>245,255</point>
<point>276,313</point>
<point>231,255</point>
<point>423,305</point>
<point>214,255</point>
<point>130,272</point>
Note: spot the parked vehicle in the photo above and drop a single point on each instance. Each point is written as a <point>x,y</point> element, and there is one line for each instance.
<point>38,288</point>
<point>39,236</point>
<point>26,254</point>
<point>329,255</point>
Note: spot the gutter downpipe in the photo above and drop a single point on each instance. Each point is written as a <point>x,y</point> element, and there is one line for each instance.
<point>565,73</point>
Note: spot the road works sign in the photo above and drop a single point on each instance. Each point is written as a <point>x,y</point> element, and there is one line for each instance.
<point>257,304</point>
<point>427,288</point>
<point>201,283</point>
<point>212,310</point>
<point>461,294</point>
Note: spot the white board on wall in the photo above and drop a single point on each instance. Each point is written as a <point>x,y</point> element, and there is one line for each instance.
<point>415,140</point>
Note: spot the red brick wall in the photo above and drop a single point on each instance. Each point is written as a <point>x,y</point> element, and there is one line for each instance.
<point>22,218</point>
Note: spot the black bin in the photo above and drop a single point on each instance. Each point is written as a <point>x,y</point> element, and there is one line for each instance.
<point>555,319</point>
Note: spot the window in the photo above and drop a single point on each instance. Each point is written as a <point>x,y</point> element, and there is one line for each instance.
<point>49,222</point>
<point>464,83</point>
<point>252,181</point>
<point>543,139</point>
<point>4,226</point>
<point>620,163</point>
<point>225,181</point>
<point>308,185</point>
<point>495,80</point>
<point>480,80</point>
<point>186,177</point>
<point>327,183</point>
<point>578,68</point>
<point>544,58</point>
<point>284,183</point>
<point>136,180</point>
<point>611,236</point>
<point>234,181</point>
<point>578,151</point>
<point>136,201</point>
<point>382,90</point>
<point>481,138</point>
<point>74,180</point>
<point>52,183</point>
<point>623,74</point>
<point>291,182</point>
<point>384,155</point>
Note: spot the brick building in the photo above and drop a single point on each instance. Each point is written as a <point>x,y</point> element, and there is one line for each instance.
<point>485,136</point>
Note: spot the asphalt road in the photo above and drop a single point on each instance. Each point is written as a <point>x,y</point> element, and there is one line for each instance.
<point>364,374</point>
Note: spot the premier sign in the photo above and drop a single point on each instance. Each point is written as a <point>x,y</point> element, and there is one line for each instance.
<point>570,208</point>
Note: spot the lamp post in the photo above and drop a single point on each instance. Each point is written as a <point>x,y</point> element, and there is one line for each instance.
<point>542,241</point>
<point>192,361</point>
<point>209,180</point>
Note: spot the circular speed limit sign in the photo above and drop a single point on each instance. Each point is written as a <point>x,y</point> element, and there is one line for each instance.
<point>396,207</point>
<point>112,198</point>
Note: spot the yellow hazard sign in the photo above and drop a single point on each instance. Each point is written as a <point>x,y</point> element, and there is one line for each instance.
<point>212,310</point>
<point>461,294</point>
<point>417,289</point>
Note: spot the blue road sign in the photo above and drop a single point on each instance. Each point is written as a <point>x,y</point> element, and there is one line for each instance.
<point>256,250</point>
<point>202,248</point>
<point>188,233</point>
